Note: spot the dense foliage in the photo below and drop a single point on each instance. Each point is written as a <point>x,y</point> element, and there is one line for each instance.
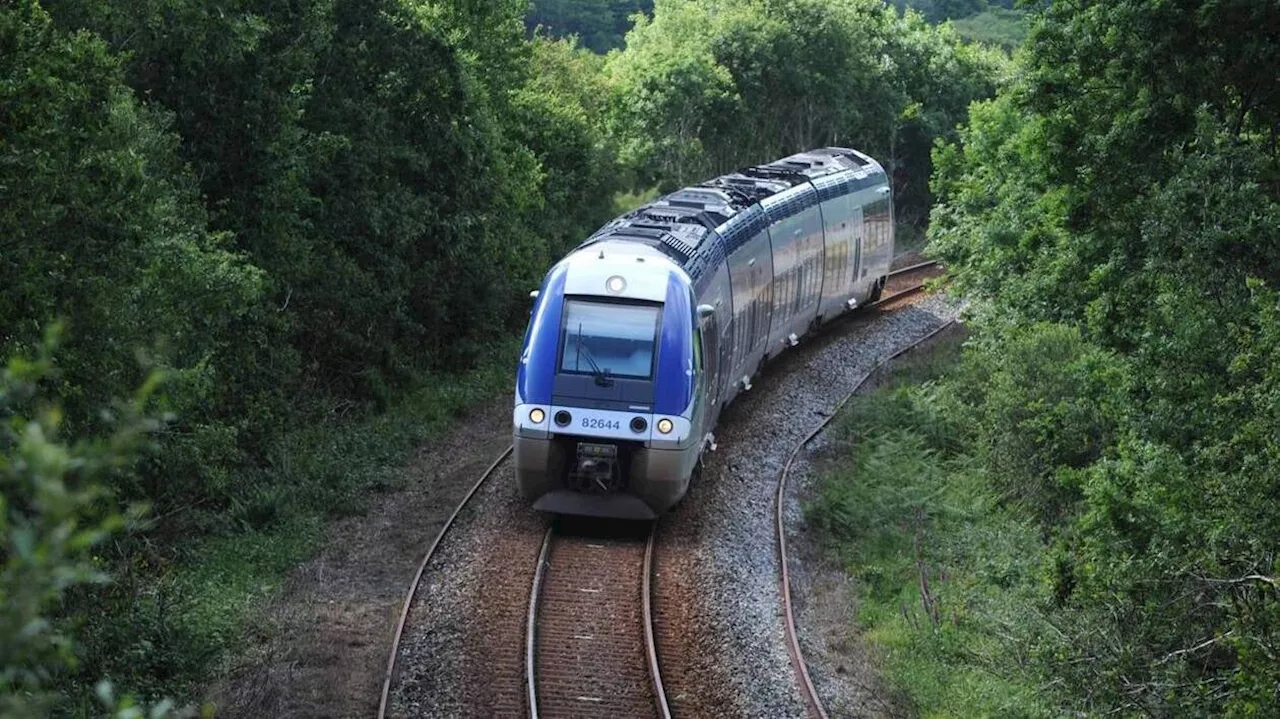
<point>601,25</point>
<point>948,569</point>
<point>939,10</point>
<point>300,213</point>
<point>55,511</point>
<point>1116,213</point>
<point>292,209</point>
<point>998,27</point>
<point>705,87</point>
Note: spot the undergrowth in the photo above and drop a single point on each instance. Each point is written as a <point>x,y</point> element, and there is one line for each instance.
<point>171,618</point>
<point>947,575</point>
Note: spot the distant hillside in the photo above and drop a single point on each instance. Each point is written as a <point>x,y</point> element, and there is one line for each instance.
<point>997,27</point>
<point>940,10</point>
<point>992,22</point>
<point>600,24</point>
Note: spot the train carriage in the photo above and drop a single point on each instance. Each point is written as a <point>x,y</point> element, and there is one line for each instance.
<point>641,336</point>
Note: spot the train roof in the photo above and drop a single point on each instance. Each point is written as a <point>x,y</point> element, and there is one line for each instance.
<point>738,205</point>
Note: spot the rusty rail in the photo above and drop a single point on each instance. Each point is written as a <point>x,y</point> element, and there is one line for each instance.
<point>812,700</point>
<point>417,579</point>
<point>589,647</point>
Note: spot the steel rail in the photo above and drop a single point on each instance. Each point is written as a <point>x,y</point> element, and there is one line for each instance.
<point>913,268</point>
<point>651,651</point>
<point>417,579</point>
<point>811,697</point>
<point>531,626</point>
<point>914,289</point>
<point>650,644</point>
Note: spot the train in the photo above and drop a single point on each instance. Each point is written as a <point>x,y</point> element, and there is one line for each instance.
<point>641,336</point>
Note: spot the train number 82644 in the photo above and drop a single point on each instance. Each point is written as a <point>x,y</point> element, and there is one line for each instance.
<point>598,423</point>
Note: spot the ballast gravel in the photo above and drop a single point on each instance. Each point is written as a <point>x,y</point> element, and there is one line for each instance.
<point>462,653</point>
<point>721,538</point>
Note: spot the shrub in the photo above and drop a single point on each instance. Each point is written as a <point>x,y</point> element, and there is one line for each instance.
<point>55,512</point>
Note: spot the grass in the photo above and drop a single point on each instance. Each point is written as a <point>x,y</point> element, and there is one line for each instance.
<point>165,627</point>
<point>949,579</point>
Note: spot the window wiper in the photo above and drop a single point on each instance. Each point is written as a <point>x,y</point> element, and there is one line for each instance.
<point>602,376</point>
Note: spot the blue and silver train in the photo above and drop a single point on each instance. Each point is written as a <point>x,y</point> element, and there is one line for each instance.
<point>648,330</point>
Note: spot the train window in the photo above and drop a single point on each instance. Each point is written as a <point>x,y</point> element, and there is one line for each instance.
<point>610,339</point>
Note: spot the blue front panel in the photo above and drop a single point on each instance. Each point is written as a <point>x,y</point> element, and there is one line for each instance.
<point>673,387</point>
<point>537,374</point>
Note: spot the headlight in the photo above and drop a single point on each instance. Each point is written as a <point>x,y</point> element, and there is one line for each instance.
<point>536,415</point>
<point>665,426</point>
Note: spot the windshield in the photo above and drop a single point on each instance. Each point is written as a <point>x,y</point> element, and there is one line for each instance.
<point>608,340</point>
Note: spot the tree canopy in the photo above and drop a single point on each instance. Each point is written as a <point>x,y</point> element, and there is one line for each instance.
<point>705,87</point>
<point>600,25</point>
<point>297,212</point>
<point>1126,187</point>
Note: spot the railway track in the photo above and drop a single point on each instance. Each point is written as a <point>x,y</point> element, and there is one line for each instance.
<point>417,579</point>
<point>590,644</point>
<point>812,701</point>
<point>589,638</point>
<point>906,282</point>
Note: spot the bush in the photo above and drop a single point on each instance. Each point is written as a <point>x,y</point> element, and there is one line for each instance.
<point>1125,189</point>
<point>1043,404</point>
<point>948,574</point>
<point>55,512</point>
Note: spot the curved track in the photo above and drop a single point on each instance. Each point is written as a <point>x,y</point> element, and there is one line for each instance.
<point>812,700</point>
<point>589,649</point>
<point>417,579</point>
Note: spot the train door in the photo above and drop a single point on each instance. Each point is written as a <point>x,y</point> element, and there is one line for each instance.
<point>715,320</point>
<point>724,364</point>
<point>810,259</point>
<point>711,359</point>
<point>785,237</point>
<point>838,234</point>
<point>762,283</point>
<point>750,275</point>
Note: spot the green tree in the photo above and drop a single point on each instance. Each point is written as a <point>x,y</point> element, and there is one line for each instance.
<point>102,226</point>
<point>366,154</point>
<point>600,25</point>
<point>940,10</point>
<point>287,207</point>
<point>1125,186</point>
<point>706,87</point>
<point>559,116</point>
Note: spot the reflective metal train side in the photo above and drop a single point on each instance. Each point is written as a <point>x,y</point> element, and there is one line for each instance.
<point>776,263</point>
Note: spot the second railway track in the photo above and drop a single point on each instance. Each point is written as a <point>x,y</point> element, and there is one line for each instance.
<point>813,700</point>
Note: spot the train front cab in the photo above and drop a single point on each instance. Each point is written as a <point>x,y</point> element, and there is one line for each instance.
<point>606,421</point>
